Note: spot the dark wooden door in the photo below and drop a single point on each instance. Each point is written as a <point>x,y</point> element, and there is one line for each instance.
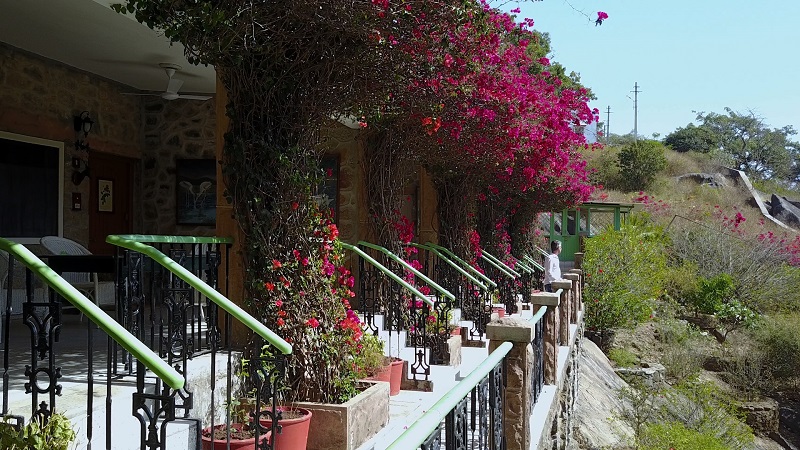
<point>111,200</point>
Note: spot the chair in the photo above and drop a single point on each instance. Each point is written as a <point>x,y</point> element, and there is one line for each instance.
<point>100,292</point>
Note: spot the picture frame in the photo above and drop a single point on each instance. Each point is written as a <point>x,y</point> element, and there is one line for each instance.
<point>196,192</point>
<point>105,195</point>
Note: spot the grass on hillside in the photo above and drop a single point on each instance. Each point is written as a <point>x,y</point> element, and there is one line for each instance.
<point>671,200</point>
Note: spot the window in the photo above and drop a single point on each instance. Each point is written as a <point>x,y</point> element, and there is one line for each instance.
<point>31,188</point>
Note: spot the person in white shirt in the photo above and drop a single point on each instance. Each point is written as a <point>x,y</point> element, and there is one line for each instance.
<point>552,266</point>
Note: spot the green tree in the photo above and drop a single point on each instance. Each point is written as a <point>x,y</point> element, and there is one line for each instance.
<point>756,149</point>
<point>639,163</point>
<point>692,138</point>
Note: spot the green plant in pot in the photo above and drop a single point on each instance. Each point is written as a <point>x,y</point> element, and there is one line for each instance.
<point>53,433</point>
<point>374,365</point>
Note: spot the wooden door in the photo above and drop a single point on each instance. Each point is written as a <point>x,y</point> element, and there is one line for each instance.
<point>110,200</point>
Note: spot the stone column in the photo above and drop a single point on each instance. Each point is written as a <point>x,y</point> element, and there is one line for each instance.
<point>573,304</point>
<point>519,378</point>
<point>551,301</point>
<point>564,310</point>
<point>579,288</point>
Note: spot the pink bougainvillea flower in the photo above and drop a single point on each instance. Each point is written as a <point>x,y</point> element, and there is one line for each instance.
<point>312,322</point>
<point>276,264</point>
<point>269,286</point>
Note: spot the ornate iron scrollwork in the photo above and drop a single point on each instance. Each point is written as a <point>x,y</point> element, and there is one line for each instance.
<point>154,413</point>
<point>434,440</point>
<point>456,427</point>
<point>496,405</point>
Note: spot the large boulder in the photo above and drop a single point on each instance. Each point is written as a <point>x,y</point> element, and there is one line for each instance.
<point>705,179</point>
<point>783,210</point>
<point>599,404</point>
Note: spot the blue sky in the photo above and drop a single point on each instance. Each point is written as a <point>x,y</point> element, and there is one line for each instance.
<point>700,55</point>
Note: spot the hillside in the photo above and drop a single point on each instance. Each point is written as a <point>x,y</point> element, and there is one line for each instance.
<point>701,290</point>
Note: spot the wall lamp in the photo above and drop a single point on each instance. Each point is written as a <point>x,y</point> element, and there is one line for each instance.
<point>82,124</point>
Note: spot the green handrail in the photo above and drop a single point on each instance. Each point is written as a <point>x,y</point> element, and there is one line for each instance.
<point>408,267</point>
<point>416,434</point>
<point>388,273</point>
<point>166,239</point>
<point>469,266</point>
<point>542,252</point>
<point>452,264</point>
<point>111,327</point>
<point>497,266</point>
<point>539,314</point>
<point>131,242</point>
<point>524,266</point>
<point>533,262</point>
<point>501,263</point>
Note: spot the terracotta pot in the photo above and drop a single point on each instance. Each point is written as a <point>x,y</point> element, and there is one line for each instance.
<point>396,376</point>
<point>294,430</point>
<point>236,444</point>
<point>501,312</point>
<point>455,331</point>
<point>385,374</point>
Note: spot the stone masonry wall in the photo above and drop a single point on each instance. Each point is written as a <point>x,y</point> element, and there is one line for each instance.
<point>39,98</point>
<point>177,129</point>
<point>343,142</point>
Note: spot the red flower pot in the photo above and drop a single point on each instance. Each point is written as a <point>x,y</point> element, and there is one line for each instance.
<point>209,443</point>
<point>501,312</point>
<point>294,429</point>
<point>396,376</point>
<point>385,374</point>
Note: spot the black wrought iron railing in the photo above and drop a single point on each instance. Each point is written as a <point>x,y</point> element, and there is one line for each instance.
<point>170,298</point>
<point>537,371</point>
<point>383,292</point>
<point>54,360</point>
<point>473,296</point>
<point>469,416</point>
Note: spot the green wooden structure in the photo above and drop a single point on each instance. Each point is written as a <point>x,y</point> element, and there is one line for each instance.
<point>571,225</point>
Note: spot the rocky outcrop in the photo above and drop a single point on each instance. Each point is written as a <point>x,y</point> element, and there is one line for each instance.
<point>598,403</point>
<point>785,211</point>
<point>705,179</point>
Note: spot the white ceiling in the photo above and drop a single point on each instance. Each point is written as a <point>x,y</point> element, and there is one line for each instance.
<point>89,35</point>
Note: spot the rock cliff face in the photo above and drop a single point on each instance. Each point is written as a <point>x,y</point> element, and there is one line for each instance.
<point>598,403</point>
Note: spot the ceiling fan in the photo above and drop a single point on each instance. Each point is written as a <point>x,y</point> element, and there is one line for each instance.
<point>173,86</point>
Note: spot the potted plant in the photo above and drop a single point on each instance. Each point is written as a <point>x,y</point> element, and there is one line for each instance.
<point>374,365</point>
<point>293,424</point>
<point>53,433</point>
<point>242,432</point>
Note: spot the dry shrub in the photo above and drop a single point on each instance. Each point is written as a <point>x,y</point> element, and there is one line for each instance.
<point>759,268</point>
<point>680,163</point>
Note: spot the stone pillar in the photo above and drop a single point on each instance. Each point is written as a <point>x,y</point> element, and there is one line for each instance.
<point>519,378</point>
<point>579,260</point>
<point>564,310</point>
<point>579,288</point>
<point>573,297</point>
<point>551,301</point>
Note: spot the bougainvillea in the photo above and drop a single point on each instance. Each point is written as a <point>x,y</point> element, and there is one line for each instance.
<point>492,122</point>
<point>451,82</point>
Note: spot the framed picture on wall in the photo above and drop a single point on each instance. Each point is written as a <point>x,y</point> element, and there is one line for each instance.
<point>196,189</point>
<point>105,195</point>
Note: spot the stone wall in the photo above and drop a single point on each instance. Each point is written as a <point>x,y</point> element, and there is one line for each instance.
<point>178,129</point>
<point>343,142</point>
<point>39,98</point>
